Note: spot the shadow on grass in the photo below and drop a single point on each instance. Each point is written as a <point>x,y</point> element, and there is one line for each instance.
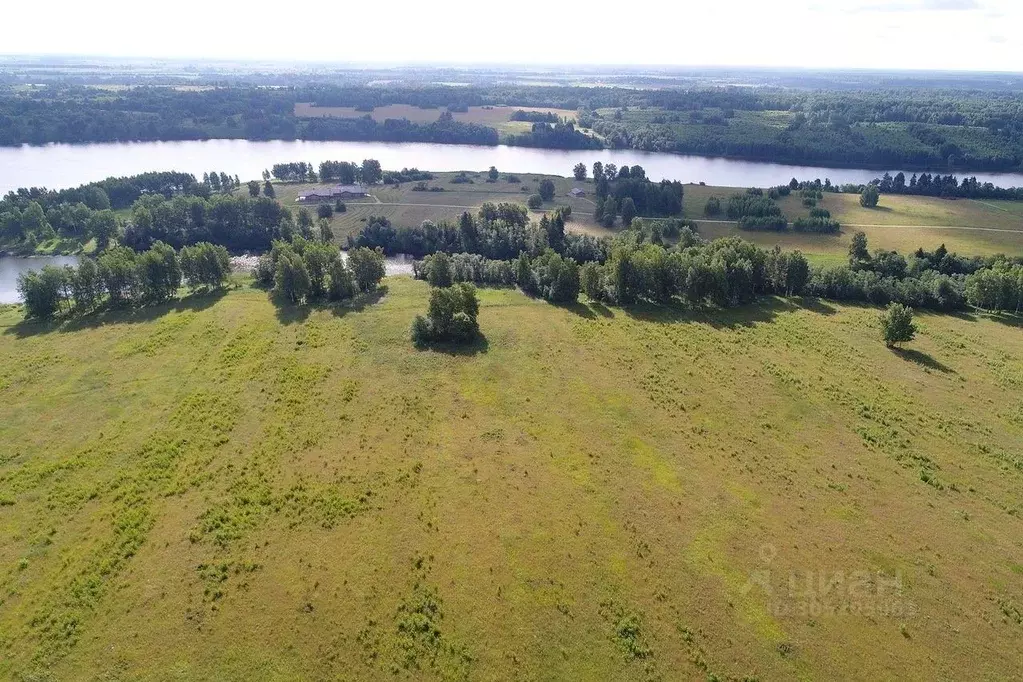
<point>760,311</point>
<point>477,346</point>
<point>814,305</point>
<point>1008,319</point>
<point>199,300</point>
<point>290,313</point>
<point>590,311</point>
<point>922,359</point>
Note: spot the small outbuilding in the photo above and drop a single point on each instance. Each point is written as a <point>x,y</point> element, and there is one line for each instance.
<point>577,192</point>
<point>331,193</point>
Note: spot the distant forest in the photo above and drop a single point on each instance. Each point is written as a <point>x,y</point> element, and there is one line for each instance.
<point>931,128</point>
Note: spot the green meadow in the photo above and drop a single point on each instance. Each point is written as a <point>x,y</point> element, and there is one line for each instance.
<point>221,488</point>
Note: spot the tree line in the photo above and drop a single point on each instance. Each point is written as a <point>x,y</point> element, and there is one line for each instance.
<point>304,270</point>
<point>122,277</point>
<point>912,126</point>
<point>729,272</point>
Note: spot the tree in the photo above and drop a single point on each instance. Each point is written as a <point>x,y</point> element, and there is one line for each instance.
<point>438,274</point>
<point>326,234</point>
<point>713,207</point>
<point>598,171</point>
<point>608,212</point>
<point>897,324</point>
<point>268,189</point>
<point>342,282</point>
<point>451,316</point>
<point>371,172</point>
<point>103,227</point>
<point>205,265</point>
<point>367,266</point>
<point>628,210</point>
<point>86,286</point>
<point>546,189</point>
<point>325,211</point>
<point>534,201</point>
<point>579,171</point>
<point>159,273</point>
<point>493,174</point>
<point>253,188</point>
<point>869,196</point>
<point>41,291</point>
<point>858,253</point>
<point>291,278</point>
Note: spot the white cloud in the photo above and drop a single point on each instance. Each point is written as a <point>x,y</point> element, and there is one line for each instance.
<point>922,34</point>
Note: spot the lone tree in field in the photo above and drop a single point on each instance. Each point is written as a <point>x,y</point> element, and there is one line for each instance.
<point>858,253</point>
<point>897,325</point>
<point>546,189</point>
<point>869,196</point>
<point>492,173</point>
<point>579,172</point>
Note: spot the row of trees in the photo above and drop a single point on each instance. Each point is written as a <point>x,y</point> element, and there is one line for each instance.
<point>121,277</point>
<point>731,271</point>
<point>304,270</point>
<point>497,231</point>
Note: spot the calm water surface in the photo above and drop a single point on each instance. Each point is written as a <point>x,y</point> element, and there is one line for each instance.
<point>11,267</point>
<point>65,165</point>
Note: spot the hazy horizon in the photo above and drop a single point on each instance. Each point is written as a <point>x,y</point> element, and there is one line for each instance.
<point>905,35</point>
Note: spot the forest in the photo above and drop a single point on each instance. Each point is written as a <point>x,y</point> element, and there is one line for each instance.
<point>930,128</point>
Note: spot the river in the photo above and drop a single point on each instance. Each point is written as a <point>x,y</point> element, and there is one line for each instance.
<point>12,266</point>
<point>67,165</point>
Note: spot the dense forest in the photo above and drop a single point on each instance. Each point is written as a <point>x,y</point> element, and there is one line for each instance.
<point>914,127</point>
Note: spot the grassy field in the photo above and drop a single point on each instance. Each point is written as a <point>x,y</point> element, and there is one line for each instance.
<point>902,223</point>
<point>403,206</point>
<point>223,489</point>
<point>498,117</point>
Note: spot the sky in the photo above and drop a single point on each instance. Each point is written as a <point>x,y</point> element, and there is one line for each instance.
<point>973,35</point>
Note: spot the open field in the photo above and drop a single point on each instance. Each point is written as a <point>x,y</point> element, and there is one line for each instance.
<point>902,223</point>
<point>223,489</point>
<point>494,116</point>
<point>403,206</point>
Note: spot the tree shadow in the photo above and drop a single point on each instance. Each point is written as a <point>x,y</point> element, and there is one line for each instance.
<point>288,312</point>
<point>1008,319</point>
<point>478,345</point>
<point>923,359</point>
<point>815,305</point>
<point>193,302</point>
<point>759,311</point>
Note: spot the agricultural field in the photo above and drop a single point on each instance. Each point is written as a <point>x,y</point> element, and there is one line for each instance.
<point>498,117</point>
<point>903,223</point>
<point>403,206</point>
<point>221,488</point>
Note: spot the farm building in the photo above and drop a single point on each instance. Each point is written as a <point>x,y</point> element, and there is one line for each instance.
<point>577,192</point>
<point>336,192</point>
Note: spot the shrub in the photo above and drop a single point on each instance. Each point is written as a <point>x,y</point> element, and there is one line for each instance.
<point>870,196</point>
<point>897,324</point>
<point>712,207</point>
<point>451,316</point>
<point>535,201</point>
